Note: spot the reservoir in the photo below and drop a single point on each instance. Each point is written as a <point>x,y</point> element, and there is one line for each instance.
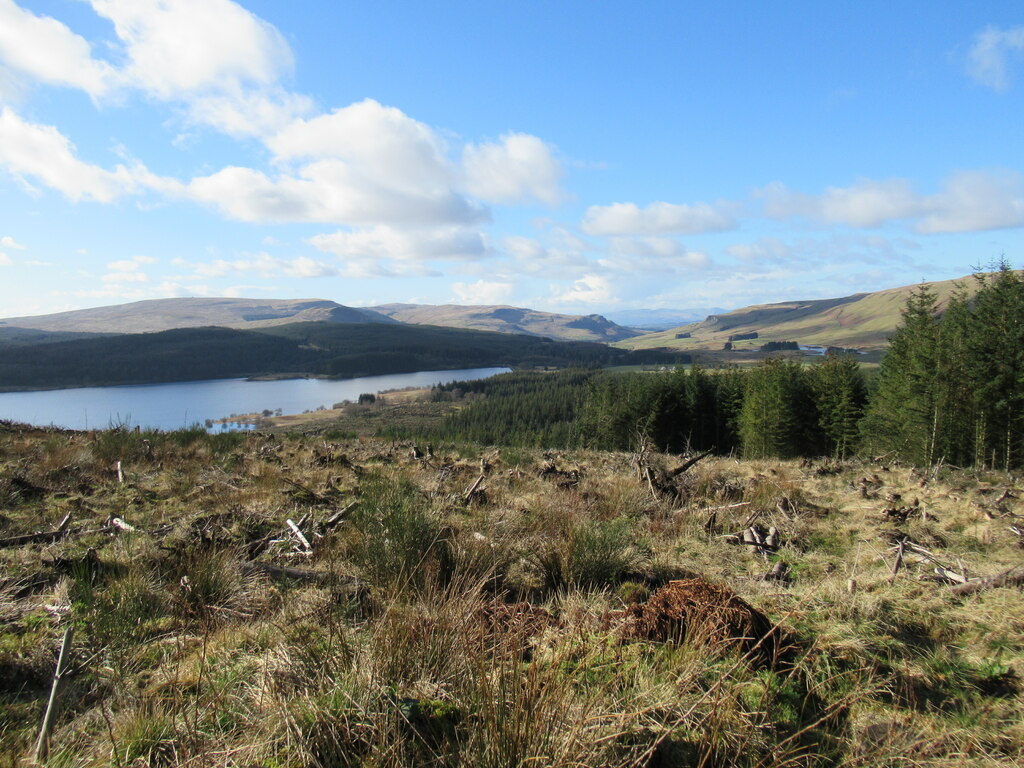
<point>183,404</point>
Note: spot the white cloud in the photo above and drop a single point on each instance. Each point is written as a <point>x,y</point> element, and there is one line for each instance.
<point>9,242</point>
<point>518,168</point>
<point>764,250</point>
<point>652,254</point>
<point>976,200</point>
<point>330,191</point>
<point>120,278</point>
<point>866,203</point>
<point>46,50</point>
<point>265,265</point>
<point>988,57</point>
<point>5,260</point>
<point>176,47</point>
<point>531,257</point>
<point>217,58</point>
<point>589,289</point>
<point>657,219</point>
<point>43,153</point>
<point>482,292</point>
<point>386,251</point>
<point>968,202</point>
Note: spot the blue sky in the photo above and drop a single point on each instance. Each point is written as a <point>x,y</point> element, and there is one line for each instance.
<point>570,156</point>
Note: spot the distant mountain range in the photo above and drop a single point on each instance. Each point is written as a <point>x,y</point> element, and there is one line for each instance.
<point>253,314</point>
<point>167,314</point>
<point>863,320</point>
<point>505,319</point>
<point>660,319</point>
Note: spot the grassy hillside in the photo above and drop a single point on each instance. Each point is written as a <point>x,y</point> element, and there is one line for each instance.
<point>166,314</point>
<point>862,320</point>
<point>510,320</point>
<point>345,350</point>
<point>498,608</point>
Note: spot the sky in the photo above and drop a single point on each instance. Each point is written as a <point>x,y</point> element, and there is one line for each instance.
<point>573,156</point>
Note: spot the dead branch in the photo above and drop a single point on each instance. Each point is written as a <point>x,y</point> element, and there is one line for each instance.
<point>38,538</point>
<point>1011,578</point>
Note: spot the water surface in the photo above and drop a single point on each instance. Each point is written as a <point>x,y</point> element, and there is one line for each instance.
<point>183,404</point>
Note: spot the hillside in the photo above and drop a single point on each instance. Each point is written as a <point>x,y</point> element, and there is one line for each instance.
<point>486,607</point>
<point>863,320</point>
<point>509,320</point>
<point>166,314</point>
<point>343,350</point>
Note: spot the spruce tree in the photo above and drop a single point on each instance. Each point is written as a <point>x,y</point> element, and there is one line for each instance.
<point>840,395</point>
<point>903,414</point>
<point>777,408</point>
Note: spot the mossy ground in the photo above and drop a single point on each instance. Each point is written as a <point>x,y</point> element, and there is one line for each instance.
<point>492,628</point>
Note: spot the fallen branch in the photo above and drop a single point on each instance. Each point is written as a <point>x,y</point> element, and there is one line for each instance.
<point>298,534</point>
<point>250,567</point>
<point>1011,578</point>
<point>687,464</point>
<point>338,516</point>
<point>37,538</point>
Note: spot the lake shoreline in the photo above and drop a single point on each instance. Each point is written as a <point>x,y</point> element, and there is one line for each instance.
<point>183,404</point>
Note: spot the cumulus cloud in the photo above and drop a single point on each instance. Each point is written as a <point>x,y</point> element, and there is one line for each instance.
<point>265,265</point>
<point>589,289</point>
<point>531,257</point>
<point>42,152</point>
<point>482,292</point>
<point>5,260</point>
<point>127,270</point>
<point>330,191</point>
<point>652,254</point>
<point>866,203</point>
<point>987,61</point>
<point>967,202</point>
<point>976,200</point>
<point>657,219</point>
<point>518,168</point>
<point>227,62</point>
<point>46,50</point>
<point>384,251</point>
<point>9,242</point>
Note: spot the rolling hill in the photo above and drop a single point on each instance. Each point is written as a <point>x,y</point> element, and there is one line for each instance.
<point>509,320</point>
<point>166,314</point>
<point>863,320</point>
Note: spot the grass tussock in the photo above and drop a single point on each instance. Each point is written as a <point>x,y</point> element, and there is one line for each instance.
<point>561,612</point>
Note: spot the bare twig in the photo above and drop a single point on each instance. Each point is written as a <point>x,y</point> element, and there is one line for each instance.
<point>43,742</point>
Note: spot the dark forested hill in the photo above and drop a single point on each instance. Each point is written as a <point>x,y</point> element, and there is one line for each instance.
<point>343,350</point>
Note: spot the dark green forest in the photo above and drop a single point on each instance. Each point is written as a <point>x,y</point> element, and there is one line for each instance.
<point>950,390</point>
<point>331,349</point>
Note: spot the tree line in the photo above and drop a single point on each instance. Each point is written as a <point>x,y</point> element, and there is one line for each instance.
<point>950,389</point>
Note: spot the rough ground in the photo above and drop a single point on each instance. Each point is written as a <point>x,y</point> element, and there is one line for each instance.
<point>482,607</point>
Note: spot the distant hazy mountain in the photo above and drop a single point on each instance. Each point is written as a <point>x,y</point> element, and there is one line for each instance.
<point>863,320</point>
<point>509,320</point>
<point>166,314</point>
<point>661,319</point>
